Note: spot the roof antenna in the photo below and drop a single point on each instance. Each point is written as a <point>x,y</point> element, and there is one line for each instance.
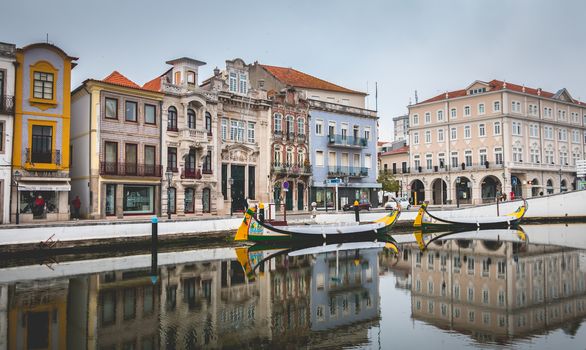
<point>376,96</point>
<point>416,98</point>
<point>367,94</point>
<point>47,38</point>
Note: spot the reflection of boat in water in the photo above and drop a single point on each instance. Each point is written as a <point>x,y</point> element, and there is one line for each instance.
<point>431,222</point>
<point>494,235</point>
<point>255,230</point>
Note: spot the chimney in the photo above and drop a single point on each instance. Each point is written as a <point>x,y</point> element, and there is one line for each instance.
<point>216,71</point>
<point>538,91</point>
<point>504,84</point>
<point>447,95</point>
<point>523,88</point>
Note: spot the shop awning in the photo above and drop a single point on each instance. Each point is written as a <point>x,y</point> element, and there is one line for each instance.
<point>44,186</point>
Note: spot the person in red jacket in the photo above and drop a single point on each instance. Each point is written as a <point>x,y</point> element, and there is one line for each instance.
<point>39,206</point>
<point>76,203</point>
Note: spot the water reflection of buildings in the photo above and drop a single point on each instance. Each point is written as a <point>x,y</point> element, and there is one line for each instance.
<point>497,291</point>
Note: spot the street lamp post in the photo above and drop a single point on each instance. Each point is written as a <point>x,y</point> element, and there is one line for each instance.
<point>560,180</point>
<point>458,192</point>
<point>169,176</point>
<point>231,182</point>
<point>17,175</point>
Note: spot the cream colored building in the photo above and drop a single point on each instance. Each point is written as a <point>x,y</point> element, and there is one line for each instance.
<point>494,137</point>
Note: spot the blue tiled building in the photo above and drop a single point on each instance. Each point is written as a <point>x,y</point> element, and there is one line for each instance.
<point>342,145</point>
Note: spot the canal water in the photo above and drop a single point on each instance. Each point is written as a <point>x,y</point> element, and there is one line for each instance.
<point>489,289</point>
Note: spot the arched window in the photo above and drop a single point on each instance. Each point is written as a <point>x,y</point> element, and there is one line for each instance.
<point>277,121</point>
<point>290,126</point>
<point>300,157</point>
<point>191,118</point>
<point>549,186</point>
<point>289,159</point>
<point>189,207</point>
<point>277,157</point>
<point>172,200</point>
<point>206,200</point>
<point>172,119</point>
<point>563,186</point>
<point>301,126</point>
<point>209,123</point>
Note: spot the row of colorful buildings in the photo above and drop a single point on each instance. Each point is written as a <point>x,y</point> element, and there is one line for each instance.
<point>250,132</point>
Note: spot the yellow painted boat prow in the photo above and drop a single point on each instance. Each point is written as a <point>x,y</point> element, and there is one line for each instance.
<point>419,217</point>
<point>242,233</point>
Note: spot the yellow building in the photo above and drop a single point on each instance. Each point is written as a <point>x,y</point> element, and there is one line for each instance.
<point>41,134</point>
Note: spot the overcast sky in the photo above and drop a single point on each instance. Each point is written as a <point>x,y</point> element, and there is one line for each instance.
<point>429,46</point>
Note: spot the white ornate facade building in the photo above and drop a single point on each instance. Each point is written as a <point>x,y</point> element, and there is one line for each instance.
<point>7,85</point>
<point>470,145</point>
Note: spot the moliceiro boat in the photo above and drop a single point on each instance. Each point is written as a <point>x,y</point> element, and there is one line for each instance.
<point>431,222</point>
<point>254,230</point>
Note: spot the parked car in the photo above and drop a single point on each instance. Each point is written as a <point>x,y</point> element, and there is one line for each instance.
<point>403,202</point>
<point>363,204</point>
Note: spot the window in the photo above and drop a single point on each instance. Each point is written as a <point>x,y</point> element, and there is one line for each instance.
<point>547,112</point>
<point>563,157</point>
<point>300,126</point>
<point>498,155</point>
<point>575,136</point>
<point>319,127</point>
<point>42,144</point>
<point>532,110</point>
<point>468,157</point>
<point>563,134</point>
<point>319,158</point>
<point>549,156</point>
<point>497,128</point>
<point>496,106</point>
<point>111,108</point>
<point>172,159</point>
<point>517,154</point>
<point>440,116</point>
<point>130,158</point>
<point>467,111</point>
<point>533,130</point>
<point>416,162</point>
<point>534,154</point>
<point>300,157</point>
<point>481,130</point>
<point>561,115</point>
<point>232,82</point>
<point>548,132</point>
<point>188,201</point>
<point>208,123</point>
<point>150,114</point>
<point>454,159</point>
<point>130,111</point>
<point>429,161</point>
<point>172,200</point>
<point>367,133</point>
<point>467,133</point>
<point>190,77</point>
<point>43,85</point>
<point>441,157</point>
<point>440,135</point>
<point>427,117</point>
<point>233,129</point>
<point>516,106</point>
<point>454,113</point>
<point>367,161</point>
<point>1,135</point>
<point>415,138</point>
<point>224,128</point>
<point>243,84</point>
<point>416,119</point>
<point>177,78</point>
<point>172,121</point>
<point>277,155</point>
<point>482,156</point>
<point>251,132</point>
<point>138,199</point>
<point>191,118</point>
<point>517,128</point>
<point>207,163</point>
<point>453,133</point>
<point>240,131</point>
<point>278,118</point>
<point>481,108</point>
<point>111,157</point>
<point>428,136</point>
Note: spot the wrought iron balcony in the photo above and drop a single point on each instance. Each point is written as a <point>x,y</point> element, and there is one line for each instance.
<point>191,174</point>
<point>347,171</point>
<point>130,169</point>
<point>347,141</point>
<point>50,157</point>
<point>6,104</point>
<point>207,171</point>
<point>290,169</point>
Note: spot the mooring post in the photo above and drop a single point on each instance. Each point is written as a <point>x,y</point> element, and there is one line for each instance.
<point>154,243</point>
<point>261,212</point>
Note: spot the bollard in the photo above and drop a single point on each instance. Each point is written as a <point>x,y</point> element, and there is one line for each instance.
<point>313,210</point>
<point>154,241</point>
<point>357,211</point>
<point>261,212</point>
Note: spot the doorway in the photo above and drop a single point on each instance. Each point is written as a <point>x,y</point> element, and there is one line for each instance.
<point>237,190</point>
<point>289,197</point>
<point>300,193</point>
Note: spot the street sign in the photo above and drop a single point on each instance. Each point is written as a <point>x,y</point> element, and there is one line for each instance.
<point>335,181</point>
<point>286,185</point>
<point>580,168</point>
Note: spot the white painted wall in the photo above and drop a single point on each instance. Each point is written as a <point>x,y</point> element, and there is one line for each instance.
<point>7,65</point>
<point>80,166</point>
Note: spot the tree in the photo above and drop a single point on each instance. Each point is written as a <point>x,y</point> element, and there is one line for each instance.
<point>388,181</point>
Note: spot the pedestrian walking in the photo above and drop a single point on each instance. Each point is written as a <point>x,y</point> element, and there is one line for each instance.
<point>76,203</point>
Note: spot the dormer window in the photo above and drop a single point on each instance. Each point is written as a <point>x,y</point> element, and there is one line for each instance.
<point>232,82</point>
<point>476,91</point>
<point>177,78</point>
<point>191,78</point>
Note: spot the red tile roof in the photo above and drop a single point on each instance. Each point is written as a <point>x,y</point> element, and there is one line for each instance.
<point>118,79</point>
<point>154,85</point>
<point>404,149</point>
<point>299,79</point>
<point>496,85</point>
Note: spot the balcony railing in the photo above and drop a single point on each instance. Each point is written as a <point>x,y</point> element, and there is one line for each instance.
<point>191,174</point>
<point>195,135</point>
<point>347,141</point>
<point>130,169</point>
<point>172,128</point>
<point>207,171</point>
<point>6,104</point>
<point>290,169</point>
<point>347,171</point>
<point>51,157</point>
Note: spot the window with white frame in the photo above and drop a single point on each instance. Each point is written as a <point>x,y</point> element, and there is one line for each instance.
<point>574,117</point>
<point>563,134</point>
<point>534,152</point>
<point>278,120</point>
<point>453,133</point>
<point>498,155</point>
<point>233,84</point>
<point>575,136</point>
<point>533,130</point>
<point>367,133</point>
<point>454,157</point>
<point>441,158</point>
<point>415,138</point>
<point>440,115</point>
<point>427,117</point>
<point>243,84</point>
<point>429,161</point>
<point>584,120</point>
<point>563,157</point>
<point>319,127</point>
<point>240,134</point>
<point>440,135</point>
<point>466,111</point>
<point>497,128</point>
<point>250,132</point>
<point>517,154</point>
<point>300,126</point>
<point>233,129</point>
<point>547,112</point>
<point>467,133</point>
<point>319,158</point>
<point>415,119</point>
<point>585,137</point>
<point>496,106</point>
<point>532,110</point>
<point>428,136</point>
<point>561,114</point>
<point>481,130</point>
<point>549,156</point>
<point>517,128</point>
<point>416,162</point>
<point>278,155</point>
<point>224,128</point>
<point>453,113</point>
<point>516,106</point>
<point>481,108</point>
<point>367,161</point>
<point>548,132</point>
<point>468,157</point>
<point>300,157</point>
<point>482,156</point>
<point>575,156</point>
